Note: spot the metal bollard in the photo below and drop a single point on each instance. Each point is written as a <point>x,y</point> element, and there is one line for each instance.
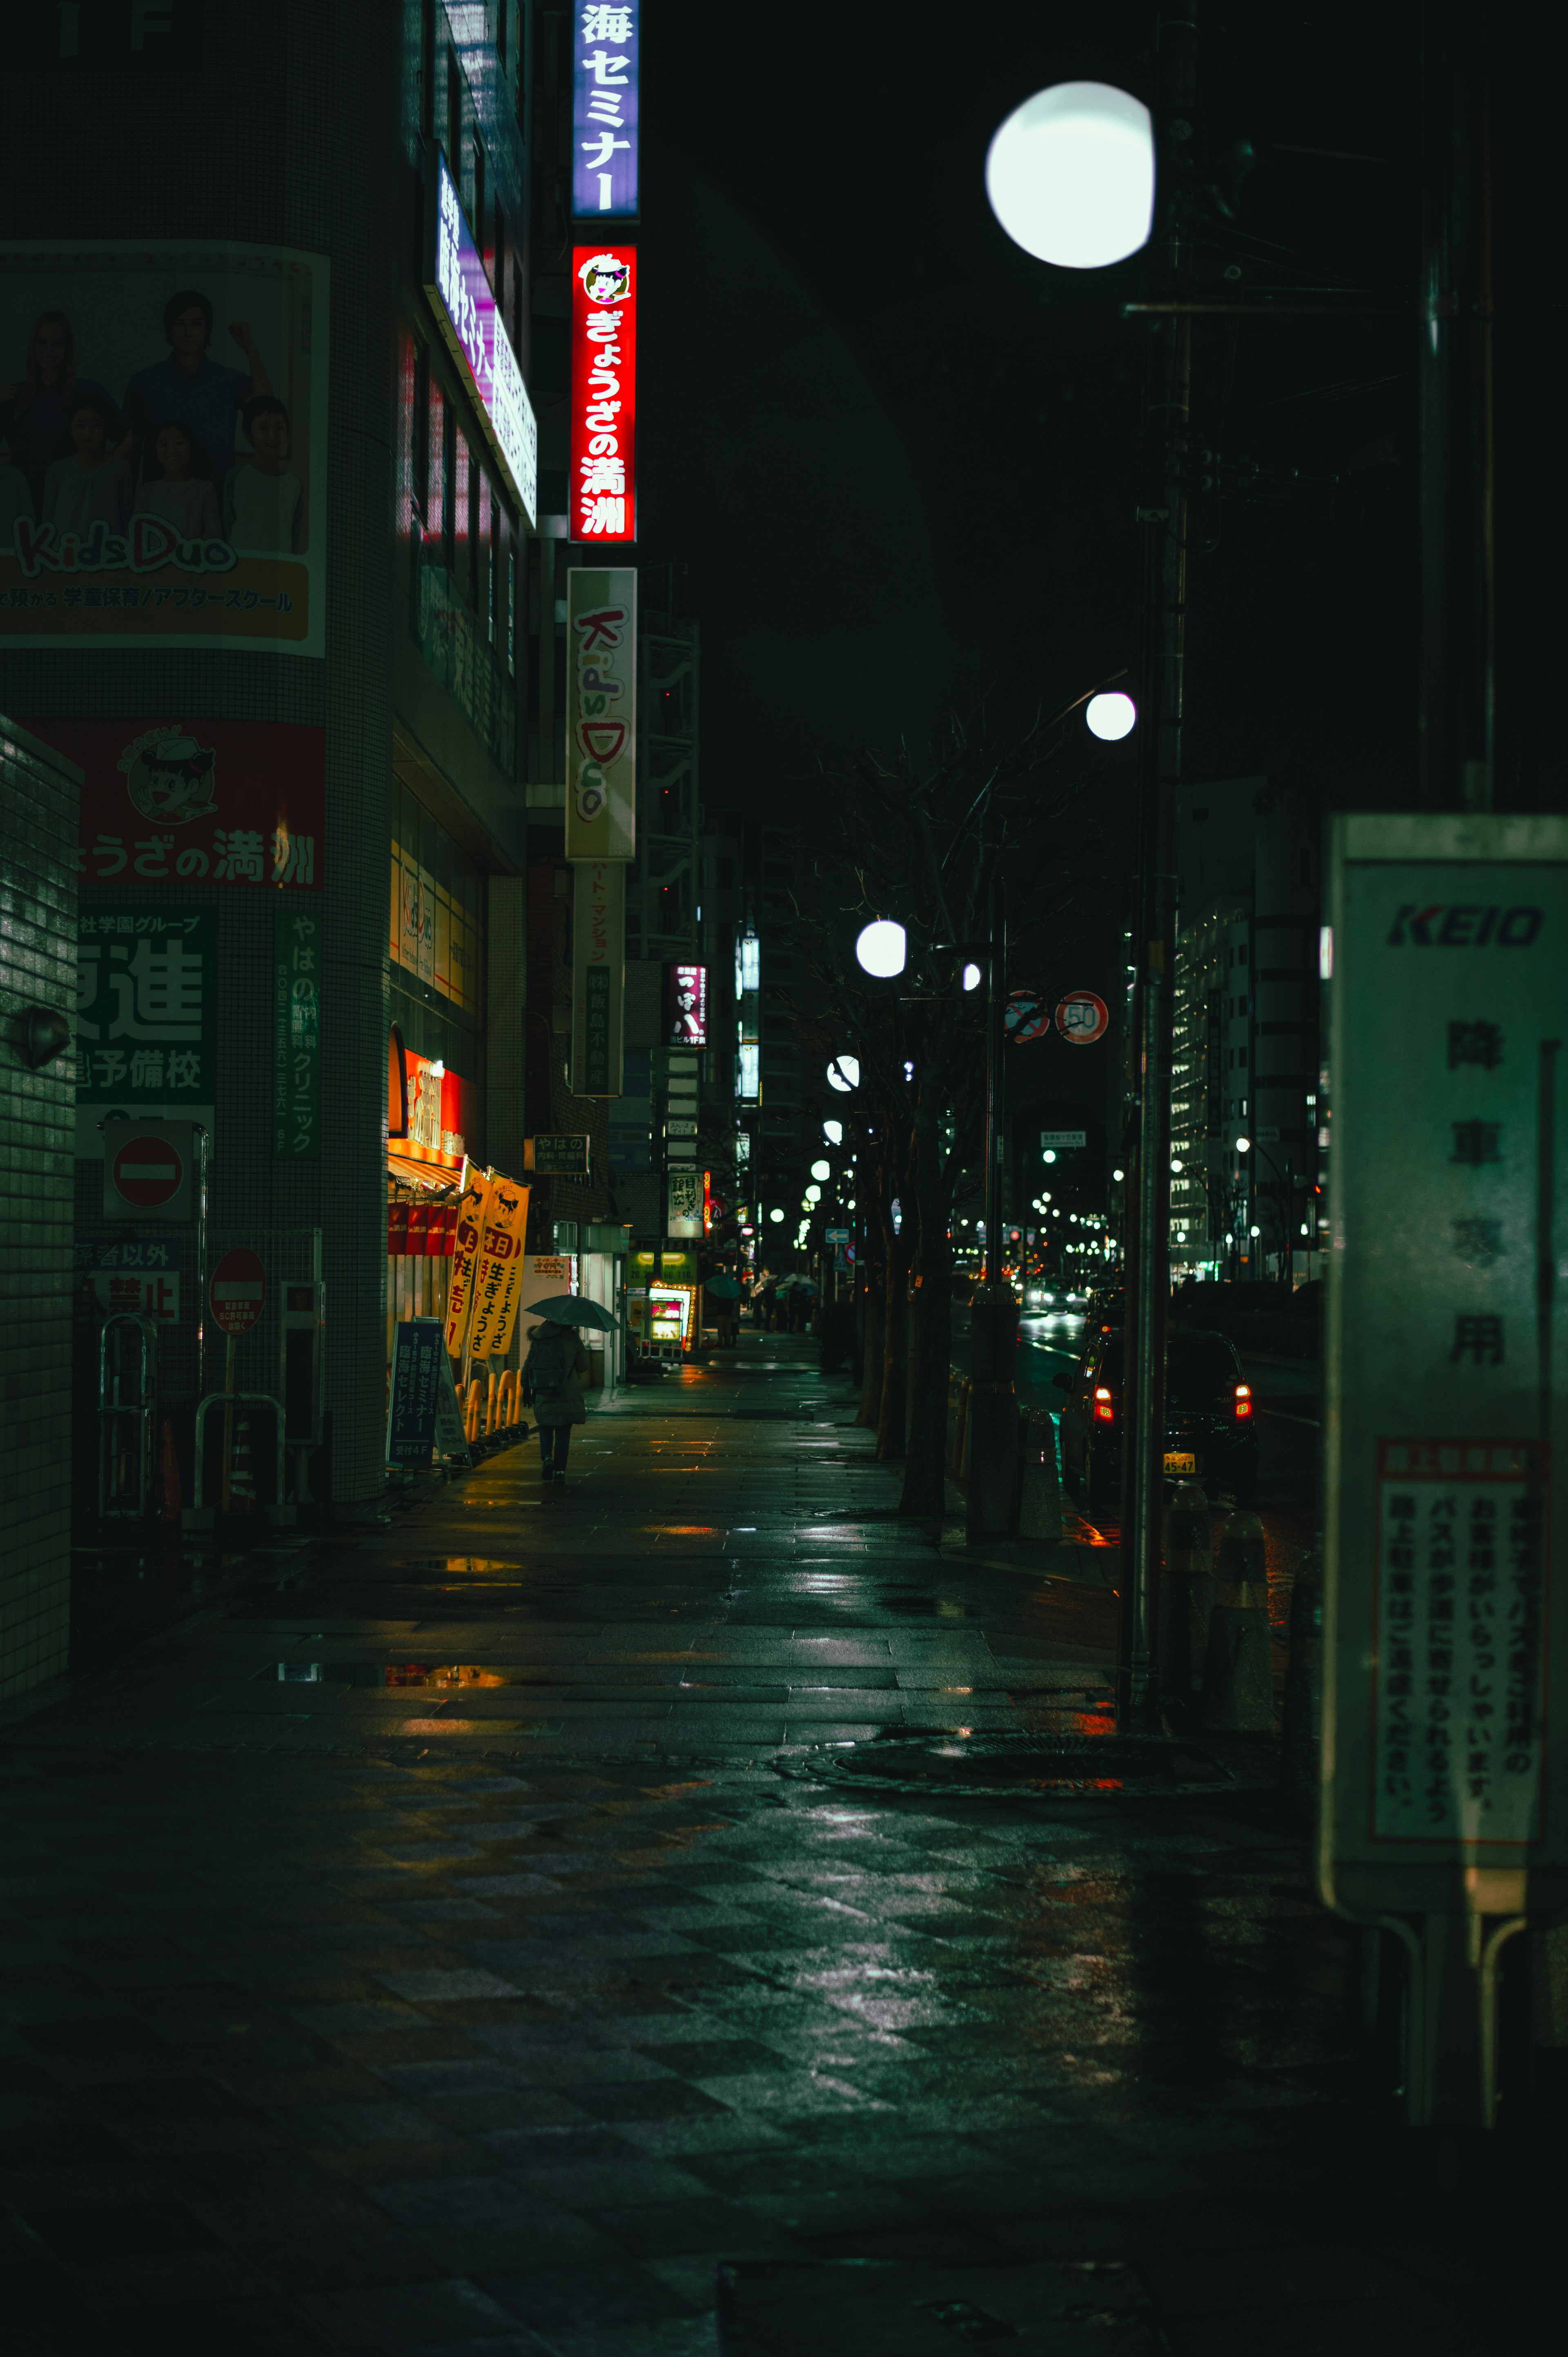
<point>1301,1747</point>
<point>1238,1662</point>
<point>1187,1593</point>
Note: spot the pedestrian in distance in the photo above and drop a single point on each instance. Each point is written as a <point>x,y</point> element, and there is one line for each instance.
<point>553,1374</point>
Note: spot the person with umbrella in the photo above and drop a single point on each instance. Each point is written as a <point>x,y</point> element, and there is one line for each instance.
<point>556,1373</point>
<point>723,1291</point>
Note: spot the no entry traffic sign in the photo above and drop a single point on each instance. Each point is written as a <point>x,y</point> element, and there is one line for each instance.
<point>1082,1016</point>
<point>238,1290</point>
<point>148,1171</point>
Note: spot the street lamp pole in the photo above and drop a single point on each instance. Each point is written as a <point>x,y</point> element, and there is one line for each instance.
<point>1165,522</point>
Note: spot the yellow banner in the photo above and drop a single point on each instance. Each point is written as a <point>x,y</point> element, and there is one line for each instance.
<point>471,1211</point>
<point>496,1281</point>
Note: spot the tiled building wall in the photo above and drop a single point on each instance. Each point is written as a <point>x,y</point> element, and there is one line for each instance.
<point>299,147</point>
<point>38,1111</point>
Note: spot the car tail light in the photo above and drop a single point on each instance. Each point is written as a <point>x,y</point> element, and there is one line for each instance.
<point>1244,1400</point>
<point>1104,1407</point>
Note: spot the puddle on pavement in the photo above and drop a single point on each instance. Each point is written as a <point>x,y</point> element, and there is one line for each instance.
<point>1062,1763</point>
<point>391,1674</point>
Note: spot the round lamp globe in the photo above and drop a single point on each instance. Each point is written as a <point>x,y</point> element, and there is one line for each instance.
<point>1071,175</point>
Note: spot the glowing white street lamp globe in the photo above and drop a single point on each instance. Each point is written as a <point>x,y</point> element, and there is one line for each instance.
<point>1110,717</point>
<point>844,1075</point>
<point>813,1194</point>
<point>1118,1174</point>
<point>972,977</point>
<point>834,1132</point>
<point>882,948</point>
<point>776,1215</point>
<point>822,1169</point>
<point>1243,1146</point>
<point>1071,175</point>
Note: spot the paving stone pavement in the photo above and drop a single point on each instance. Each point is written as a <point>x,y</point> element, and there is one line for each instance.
<point>466,1938</point>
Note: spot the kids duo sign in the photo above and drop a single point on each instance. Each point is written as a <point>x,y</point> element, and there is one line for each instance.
<point>601,714</point>
<point>162,457</point>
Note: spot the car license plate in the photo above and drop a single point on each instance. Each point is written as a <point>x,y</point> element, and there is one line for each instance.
<point>1180,1460</point>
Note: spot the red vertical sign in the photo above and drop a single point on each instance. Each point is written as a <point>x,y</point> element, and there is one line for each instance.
<point>604,394</point>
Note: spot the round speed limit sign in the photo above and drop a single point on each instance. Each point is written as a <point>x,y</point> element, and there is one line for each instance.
<point>1082,1016</point>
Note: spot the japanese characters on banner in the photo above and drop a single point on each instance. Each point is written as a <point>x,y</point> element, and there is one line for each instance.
<point>146,1017</point>
<point>184,800</point>
<point>598,976</point>
<point>497,1278</point>
<point>1445,1369</point>
<point>686,1005</point>
<point>162,481</point>
<point>296,1031</point>
<point>602,489</point>
<point>472,1206</point>
<point>601,714</point>
<point>605,112</point>
<point>472,322</point>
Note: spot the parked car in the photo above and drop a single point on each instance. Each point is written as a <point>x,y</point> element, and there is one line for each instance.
<point>1211,1421</point>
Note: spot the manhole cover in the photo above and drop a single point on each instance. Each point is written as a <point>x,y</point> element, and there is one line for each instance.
<point>992,1767</point>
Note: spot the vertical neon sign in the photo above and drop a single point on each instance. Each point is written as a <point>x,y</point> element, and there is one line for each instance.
<point>605,113</point>
<point>604,394</point>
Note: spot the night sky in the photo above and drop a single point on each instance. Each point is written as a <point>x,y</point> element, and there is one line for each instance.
<point>894,460</point>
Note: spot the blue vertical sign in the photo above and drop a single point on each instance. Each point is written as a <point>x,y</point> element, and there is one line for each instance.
<point>604,114</point>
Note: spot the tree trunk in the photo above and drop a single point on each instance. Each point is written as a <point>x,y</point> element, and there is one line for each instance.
<point>930,1355</point>
<point>894,1353</point>
<point>875,1312</point>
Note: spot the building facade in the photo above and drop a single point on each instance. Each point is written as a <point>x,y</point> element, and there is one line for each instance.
<point>283,587</point>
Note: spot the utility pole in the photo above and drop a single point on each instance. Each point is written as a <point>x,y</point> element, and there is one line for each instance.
<point>1457,572</point>
<point>1164,518</point>
<point>994,1311</point>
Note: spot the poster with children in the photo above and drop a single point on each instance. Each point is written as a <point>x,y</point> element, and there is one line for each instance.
<point>163,446</point>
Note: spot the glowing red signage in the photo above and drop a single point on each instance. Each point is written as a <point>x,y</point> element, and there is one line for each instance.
<point>604,394</point>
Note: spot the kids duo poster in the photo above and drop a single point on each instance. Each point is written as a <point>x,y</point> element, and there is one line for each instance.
<point>163,446</point>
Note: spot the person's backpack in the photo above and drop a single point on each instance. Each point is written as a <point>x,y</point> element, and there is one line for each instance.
<point>548,1361</point>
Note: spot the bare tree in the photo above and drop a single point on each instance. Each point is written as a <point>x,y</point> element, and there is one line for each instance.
<point>946,840</point>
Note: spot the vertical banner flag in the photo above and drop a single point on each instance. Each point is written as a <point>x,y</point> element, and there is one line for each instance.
<point>495,1280</point>
<point>601,714</point>
<point>471,1208</point>
<point>598,975</point>
<point>605,112</point>
<point>297,1030</point>
<point>603,487</point>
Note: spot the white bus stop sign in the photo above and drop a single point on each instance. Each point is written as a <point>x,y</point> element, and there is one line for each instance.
<point>1445,1633</point>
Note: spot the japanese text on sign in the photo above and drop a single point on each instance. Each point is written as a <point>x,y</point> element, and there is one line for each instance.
<point>147,1000</point>
<point>1459,1692</point>
<point>605,112</point>
<point>603,486</point>
<point>296,1032</point>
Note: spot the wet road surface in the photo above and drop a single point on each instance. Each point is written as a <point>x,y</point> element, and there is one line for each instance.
<point>471,1934</point>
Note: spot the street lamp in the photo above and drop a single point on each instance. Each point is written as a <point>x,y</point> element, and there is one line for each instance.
<point>1110,717</point>
<point>834,1132</point>
<point>1071,175</point>
<point>971,976</point>
<point>844,1075</point>
<point>822,1170</point>
<point>883,948</point>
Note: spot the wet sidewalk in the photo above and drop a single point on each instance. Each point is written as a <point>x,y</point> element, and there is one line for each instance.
<point>484,1929</point>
